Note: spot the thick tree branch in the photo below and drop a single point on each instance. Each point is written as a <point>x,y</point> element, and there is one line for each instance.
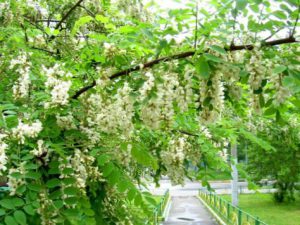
<point>181,56</point>
<point>84,89</point>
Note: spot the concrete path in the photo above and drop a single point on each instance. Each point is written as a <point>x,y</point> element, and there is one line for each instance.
<point>188,210</point>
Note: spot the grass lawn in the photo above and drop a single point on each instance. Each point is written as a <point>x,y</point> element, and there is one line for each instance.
<point>270,212</point>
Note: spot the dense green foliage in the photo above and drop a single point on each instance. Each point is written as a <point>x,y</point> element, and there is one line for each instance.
<point>97,97</point>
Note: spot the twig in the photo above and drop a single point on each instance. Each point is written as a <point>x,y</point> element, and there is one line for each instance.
<point>44,50</point>
<point>296,21</point>
<point>272,34</point>
<point>88,11</point>
<point>181,56</point>
<point>68,14</point>
<point>196,28</point>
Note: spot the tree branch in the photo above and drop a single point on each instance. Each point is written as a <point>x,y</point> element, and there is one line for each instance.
<point>68,14</point>
<point>296,21</point>
<point>84,89</point>
<point>181,56</point>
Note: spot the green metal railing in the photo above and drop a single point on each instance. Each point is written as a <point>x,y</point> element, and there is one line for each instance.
<point>232,215</point>
<point>159,209</point>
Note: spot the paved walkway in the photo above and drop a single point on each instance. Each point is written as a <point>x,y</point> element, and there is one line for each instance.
<point>188,210</point>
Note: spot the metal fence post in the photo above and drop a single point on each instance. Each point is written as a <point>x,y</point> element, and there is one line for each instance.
<point>257,221</point>
<point>239,217</point>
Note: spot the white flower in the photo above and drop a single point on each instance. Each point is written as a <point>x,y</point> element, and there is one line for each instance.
<point>66,122</point>
<point>26,130</point>
<point>58,87</point>
<point>3,157</point>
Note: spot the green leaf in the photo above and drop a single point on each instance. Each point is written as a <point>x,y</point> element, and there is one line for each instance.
<point>2,212</point>
<point>280,14</point>
<point>102,19</point>
<point>241,4</point>
<point>138,199</point>
<point>33,175</point>
<point>20,217</point>
<point>130,194</point>
<point>35,187</point>
<point>218,49</point>
<point>103,159</point>
<point>71,191</point>
<point>212,58</point>
<point>7,203</point>
<point>279,69</point>
<point>18,202</point>
<point>270,111</point>
<point>108,169</point>
<point>29,210</point>
<point>53,183</point>
<point>151,200</point>
<point>9,220</point>
<point>262,143</point>
<point>142,156</point>
<point>202,67</point>
<point>122,186</point>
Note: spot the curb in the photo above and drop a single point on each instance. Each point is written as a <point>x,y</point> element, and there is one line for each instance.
<point>218,218</point>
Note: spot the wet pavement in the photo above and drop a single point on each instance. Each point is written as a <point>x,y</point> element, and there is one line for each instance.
<point>188,210</point>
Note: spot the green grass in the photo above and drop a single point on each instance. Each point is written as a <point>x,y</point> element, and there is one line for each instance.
<point>270,212</point>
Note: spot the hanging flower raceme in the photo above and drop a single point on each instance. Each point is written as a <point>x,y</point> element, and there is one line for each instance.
<point>58,85</point>
<point>161,107</point>
<point>212,97</point>
<point>22,66</point>
<point>173,159</point>
<point>27,130</point>
<point>281,92</point>
<point>3,157</point>
<point>111,115</point>
<point>15,182</point>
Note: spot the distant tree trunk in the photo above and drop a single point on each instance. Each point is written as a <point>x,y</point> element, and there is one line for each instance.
<point>234,175</point>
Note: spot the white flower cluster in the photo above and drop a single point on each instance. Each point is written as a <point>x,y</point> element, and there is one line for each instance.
<point>21,87</point>
<point>173,159</point>
<point>13,182</point>
<point>46,211</point>
<point>3,157</point>
<point>147,86</point>
<point>82,165</point>
<point>256,69</point>
<point>205,132</point>
<point>281,92</point>
<point>41,150</point>
<point>231,73</point>
<point>223,146</point>
<point>110,50</point>
<point>255,104</point>
<point>161,108</point>
<point>25,130</point>
<point>58,85</point>
<point>214,92</point>
<point>112,114</point>
<point>3,7</point>
<point>185,95</point>
<point>66,122</point>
